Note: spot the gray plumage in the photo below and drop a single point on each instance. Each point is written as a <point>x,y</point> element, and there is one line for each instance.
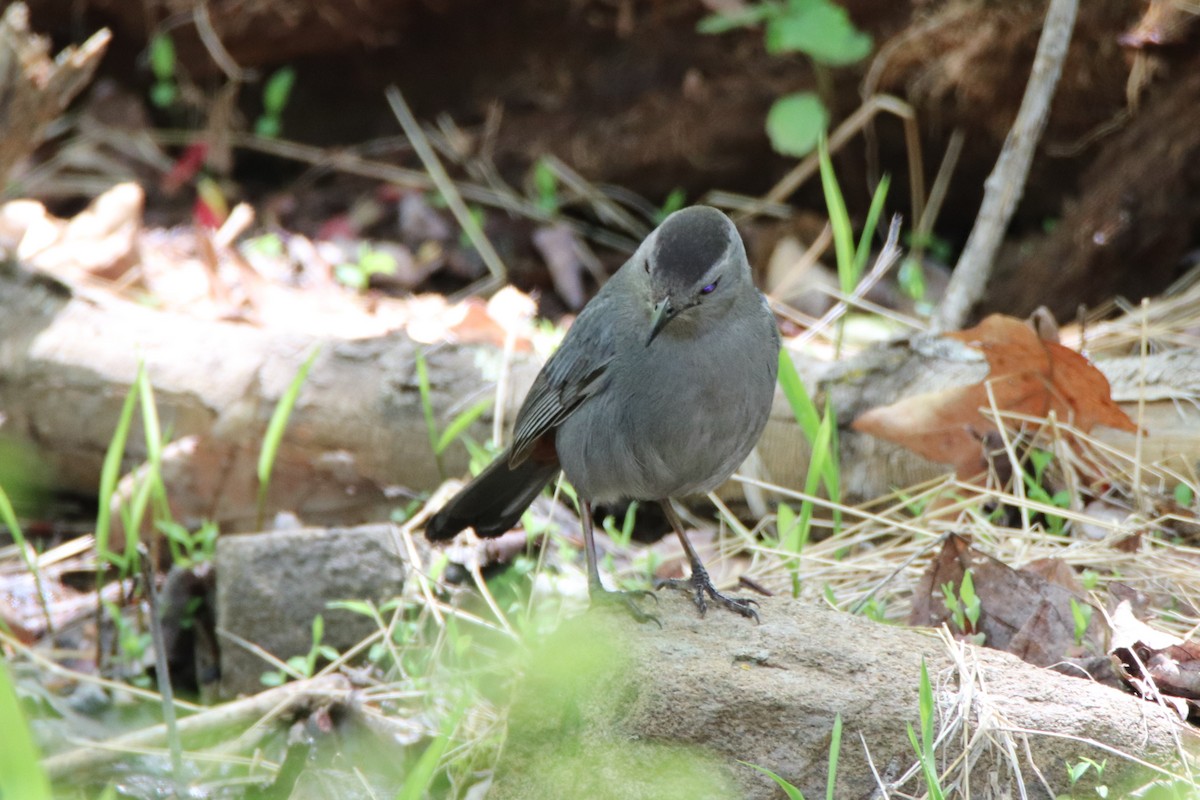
<point>660,388</point>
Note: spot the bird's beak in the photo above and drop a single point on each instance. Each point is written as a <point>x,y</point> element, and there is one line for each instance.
<point>663,313</point>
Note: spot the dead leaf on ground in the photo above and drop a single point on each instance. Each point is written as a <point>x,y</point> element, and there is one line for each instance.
<point>1026,612</point>
<point>1155,664</point>
<point>1027,375</point>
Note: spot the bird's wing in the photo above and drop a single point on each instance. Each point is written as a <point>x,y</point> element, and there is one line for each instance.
<point>576,371</point>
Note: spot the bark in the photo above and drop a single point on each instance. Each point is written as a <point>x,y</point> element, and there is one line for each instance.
<point>357,443</point>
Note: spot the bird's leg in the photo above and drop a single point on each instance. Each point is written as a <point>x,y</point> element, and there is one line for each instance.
<point>699,584</point>
<point>596,590</point>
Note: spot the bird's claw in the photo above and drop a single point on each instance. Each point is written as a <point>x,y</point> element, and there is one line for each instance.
<point>599,595</point>
<point>699,585</point>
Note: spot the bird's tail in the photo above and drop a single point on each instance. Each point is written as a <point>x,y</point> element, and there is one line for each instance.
<point>494,501</point>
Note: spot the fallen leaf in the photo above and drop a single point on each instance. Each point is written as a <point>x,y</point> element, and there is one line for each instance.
<point>1027,376</point>
<point>1026,612</point>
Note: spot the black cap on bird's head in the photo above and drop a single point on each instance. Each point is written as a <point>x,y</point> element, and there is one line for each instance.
<point>688,257</point>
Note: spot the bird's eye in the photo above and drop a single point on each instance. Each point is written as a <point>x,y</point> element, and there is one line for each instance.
<point>709,289</point>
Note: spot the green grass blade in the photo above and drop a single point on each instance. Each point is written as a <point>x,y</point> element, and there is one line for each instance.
<point>21,774</point>
<point>274,434</point>
<point>839,220</point>
<point>459,424</point>
<point>427,410</point>
<point>110,473</point>
<point>420,778</point>
<point>835,748</point>
<point>803,407</point>
<point>791,791</point>
<point>8,516</point>
<point>873,214</point>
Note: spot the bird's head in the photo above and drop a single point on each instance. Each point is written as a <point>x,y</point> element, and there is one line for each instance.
<point>696,263</point>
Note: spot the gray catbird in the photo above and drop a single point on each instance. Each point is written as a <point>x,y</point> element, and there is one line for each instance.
<point>660,389</point>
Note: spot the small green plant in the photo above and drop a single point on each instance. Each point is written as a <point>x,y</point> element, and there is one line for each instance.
<point>911,279</point>
<point>818,29</point>
<point>924,744</point>
<point>1089,579</point>
<point>165,89</point>
<point>835,747</point>
<point>1076,771</point>
<point>132,644</point>
<point>305,666</point>
<point>276,93</point>
<point>357,274</point>
<point>274,435</point>
<point>1081,613</point>
<point>403,631</point>
<point>820,429</point>
<point>268,245</point>
<point>438,442</point>
<point>189,548</point>
<point>545,186</point>
<point>1035,489</point>
<point>1184,495</point>
<point>419,780</point>
<point>675,201</point>
<point>622,536</point>
<point>964,606</point>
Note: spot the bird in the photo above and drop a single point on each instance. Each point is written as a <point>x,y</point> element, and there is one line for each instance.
<point>660,389</point>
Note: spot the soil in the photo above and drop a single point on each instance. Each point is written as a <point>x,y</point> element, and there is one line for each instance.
<point>629,94</point>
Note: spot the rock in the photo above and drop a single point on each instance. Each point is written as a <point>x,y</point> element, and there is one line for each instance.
<point>271,585</point>
<point>612,709</point>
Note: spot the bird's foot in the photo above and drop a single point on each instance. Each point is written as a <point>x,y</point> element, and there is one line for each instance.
<point>701,588</point>
<point>601,596</point>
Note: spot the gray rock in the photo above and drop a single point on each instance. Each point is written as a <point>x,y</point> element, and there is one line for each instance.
<point>613,709</point>
<point>271,585</point>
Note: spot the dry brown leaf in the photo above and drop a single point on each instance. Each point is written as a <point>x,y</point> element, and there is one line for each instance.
<point>1026,612</point>
<point>1155,664</point>
<point>1027,375</point>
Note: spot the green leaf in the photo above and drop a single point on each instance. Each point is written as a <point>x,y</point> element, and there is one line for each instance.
<point>162,57</point>
<point>545,184</point>
<point>163,94</point>
<point>275,429</point>
<point>675,200</point>
<point>786,526</point>
<point>351,276</point>
<point>796,122</point>
<point>21,774</point>
<point>1184,495</point>
<point>110,473</point>
<point>821,30</point>
<point>803,407</point>
<point>376,262</point>
<point>835,746</point>
<point>791,791</point>
<point>267,126</point>
<point>911,278</point>
<point>278,90</point>
<point>420,777</point>
<point>873,214</point>
<point>839,220</point>
<point>746,17</point>
<point>273,679</point>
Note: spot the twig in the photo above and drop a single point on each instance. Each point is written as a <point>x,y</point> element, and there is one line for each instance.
<point>1006,184</point>
<point>444,185</point>
<point>219,718</point>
